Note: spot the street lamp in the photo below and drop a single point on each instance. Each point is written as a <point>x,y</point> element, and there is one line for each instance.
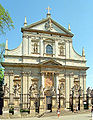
<point>59,97</point>
<point>72,99</point>
<point>79,98</point>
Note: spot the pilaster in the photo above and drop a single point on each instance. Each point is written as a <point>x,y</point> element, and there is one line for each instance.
<point>81,81</point>
<point>71,81</point>
<point>41,47</point>
<point>56,48</point>
<point>57,85</point>
<point>10,85</point>
<point>84,86</point>
<point>24,45</point>
<point>67,90</point>
<point>42,77</point>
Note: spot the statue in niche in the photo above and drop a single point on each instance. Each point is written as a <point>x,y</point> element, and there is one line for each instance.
<point>53,91</point>
<point>6,89</point>
<point>34,90</point>
<point>62,88</point>
<point>17,89</point>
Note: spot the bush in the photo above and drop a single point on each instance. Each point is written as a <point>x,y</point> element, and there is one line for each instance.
<point>25,110</point>
<point>11,110</point>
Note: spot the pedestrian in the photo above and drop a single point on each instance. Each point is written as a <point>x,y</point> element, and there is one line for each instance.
<point>77,108</point>
<point>92,112</point>
<point>58,112</point>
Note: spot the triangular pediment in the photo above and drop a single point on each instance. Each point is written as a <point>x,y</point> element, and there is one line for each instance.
<point>50,63</point>
<point>47,25</point>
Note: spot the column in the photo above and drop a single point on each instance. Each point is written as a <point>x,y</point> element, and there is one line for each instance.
<point>41,47</point>
<point>43,84</point>
<point>84,87</point>
<point>81,81</point>
<point>54,81</point>
<point>42,100</point>
<point>56,48</point>
<point>10,85</point>
<point>6,82</point>
<point>25,89</point>
<point>11,75</point>
<point>30,46</point>
<point>21,96</point>
<point>24,45</point>
<point>57,91</point>
<point>81,85</point>
<point>71,80</point>
<point>67,91</point>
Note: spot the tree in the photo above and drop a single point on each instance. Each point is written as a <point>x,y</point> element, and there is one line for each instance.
<point>5,20</point>
<point>5,23</point>
<point>2,49</point>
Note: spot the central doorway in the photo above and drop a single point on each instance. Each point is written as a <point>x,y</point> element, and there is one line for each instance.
<point>49,103</point>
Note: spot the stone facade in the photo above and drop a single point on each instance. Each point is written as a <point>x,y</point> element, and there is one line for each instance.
<point>43,69</point>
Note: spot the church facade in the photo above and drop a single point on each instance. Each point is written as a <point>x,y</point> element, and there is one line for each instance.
<point>44,72</point>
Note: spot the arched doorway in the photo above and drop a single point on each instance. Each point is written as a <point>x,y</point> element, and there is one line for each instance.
<point>48,98</point>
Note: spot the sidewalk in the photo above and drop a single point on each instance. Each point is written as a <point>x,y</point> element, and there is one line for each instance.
<point>43,115</point>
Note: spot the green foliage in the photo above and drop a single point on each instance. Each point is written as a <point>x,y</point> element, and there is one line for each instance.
<point>5,20</point>
<point>2,50</point>
<point>24,110</point>
<point>1,76</point>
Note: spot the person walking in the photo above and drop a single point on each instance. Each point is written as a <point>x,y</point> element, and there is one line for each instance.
<point>92,112</point>
<point>58,112</point>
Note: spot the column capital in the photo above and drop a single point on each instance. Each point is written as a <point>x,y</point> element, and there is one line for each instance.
<point>56,73</point>
<point>24,36</point>
<point>41,73</point>
<point>71,74</point>
<point>10,73</point>
<point>66,75</point>
<point>25,73</point>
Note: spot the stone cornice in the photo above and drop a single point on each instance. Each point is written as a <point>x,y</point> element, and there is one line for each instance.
<point>47,32</point>
<point>45,36</point>
<point>44,57</point>
<point>43,66</point>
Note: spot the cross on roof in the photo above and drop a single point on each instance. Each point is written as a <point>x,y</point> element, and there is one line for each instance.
<point>48,9</point>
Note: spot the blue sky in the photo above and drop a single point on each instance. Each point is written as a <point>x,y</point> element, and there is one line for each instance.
<point>77,13</point>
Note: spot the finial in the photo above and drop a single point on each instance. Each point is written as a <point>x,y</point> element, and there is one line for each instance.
<point>83,53</point>
<point>25,23</point>
<point>69,28</point>
<point>48,14</point>
<point>6,45</point>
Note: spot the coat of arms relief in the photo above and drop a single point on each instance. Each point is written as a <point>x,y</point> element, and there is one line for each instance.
<point>48,25</point>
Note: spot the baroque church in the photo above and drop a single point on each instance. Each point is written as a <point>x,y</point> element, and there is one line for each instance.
<point>44,72</point>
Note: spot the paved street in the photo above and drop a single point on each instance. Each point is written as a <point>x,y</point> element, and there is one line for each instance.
<point>67,117</point>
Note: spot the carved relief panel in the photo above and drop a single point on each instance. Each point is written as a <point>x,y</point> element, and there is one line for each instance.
<point>49,80</point>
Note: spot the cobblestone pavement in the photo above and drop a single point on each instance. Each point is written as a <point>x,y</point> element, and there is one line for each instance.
<point>67,117</point>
